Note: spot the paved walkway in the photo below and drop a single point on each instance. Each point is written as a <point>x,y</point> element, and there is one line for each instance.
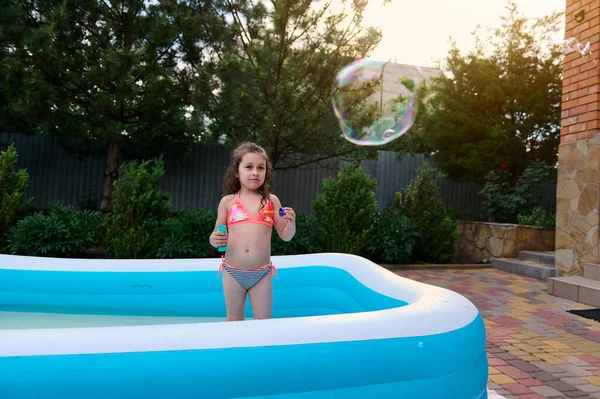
<point>536,349</point>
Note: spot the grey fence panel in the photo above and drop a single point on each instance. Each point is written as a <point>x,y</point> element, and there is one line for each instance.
<point>55,174</point>
<point>549,198</point>
<point>463,195</point>
<point>299,187</point>
<point>194,180</point>
<point>394,174</point>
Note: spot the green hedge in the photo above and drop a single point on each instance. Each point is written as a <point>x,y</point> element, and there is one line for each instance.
<point>421,203</point>
<point>13,205</point>
<point>345,211</point>
<point>135,226</point>
<point>187,235</point>
<point>64,232</point>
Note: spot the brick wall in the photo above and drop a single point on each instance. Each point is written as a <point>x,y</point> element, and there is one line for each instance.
<point>580,94</point>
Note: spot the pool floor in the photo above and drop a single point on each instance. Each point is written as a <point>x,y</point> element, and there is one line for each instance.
<point>34,320</point>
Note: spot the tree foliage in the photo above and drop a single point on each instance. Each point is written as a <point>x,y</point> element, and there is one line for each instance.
<point>498,107</point>
<point>136,226</point>
<point>153,75</point>
<point>414,141</point>
<point>345,210</point>
<point>112,70</point>
<point>504,202</point>
<point>422,203</point>
<point>276,89</point>
<point>13,182</point>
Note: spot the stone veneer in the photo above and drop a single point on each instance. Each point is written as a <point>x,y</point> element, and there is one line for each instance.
<point>577,200</point>
<point>481,240</point>
<point>577,205</point>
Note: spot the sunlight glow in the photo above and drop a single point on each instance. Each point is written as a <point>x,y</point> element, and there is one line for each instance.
<point>418,32</point>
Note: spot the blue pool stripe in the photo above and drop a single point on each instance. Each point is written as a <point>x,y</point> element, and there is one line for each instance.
<point>428,365</point>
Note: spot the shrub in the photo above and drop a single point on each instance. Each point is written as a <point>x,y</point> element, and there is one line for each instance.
<point>187,235</point>
<point>135,225</point>
<point>393,240</point>
<point>537,217</point>
<point>504,202</point>
<point>304,241</point>
<point>63,232</point>
<point>345,210</point>
<point>421,203</point>
<point>498,201</point>
<point>13,206</point>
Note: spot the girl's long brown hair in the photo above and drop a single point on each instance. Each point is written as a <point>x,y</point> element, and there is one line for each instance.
<point>231,183</point>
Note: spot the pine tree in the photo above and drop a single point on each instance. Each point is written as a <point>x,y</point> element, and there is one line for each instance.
<point>118,71</point>
<point>503,107</point>
<point>277,88</point>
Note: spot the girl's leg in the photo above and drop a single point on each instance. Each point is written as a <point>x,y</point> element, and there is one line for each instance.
<point>261,298</point>
<point>235,298</point>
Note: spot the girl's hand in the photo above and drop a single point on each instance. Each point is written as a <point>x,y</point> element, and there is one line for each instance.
<point>289,216</point>
<point>218,239</point>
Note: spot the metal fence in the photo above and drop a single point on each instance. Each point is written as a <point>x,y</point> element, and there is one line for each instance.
<point>74,176</point>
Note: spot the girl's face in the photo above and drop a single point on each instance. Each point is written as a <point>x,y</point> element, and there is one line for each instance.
<point>252,170</point>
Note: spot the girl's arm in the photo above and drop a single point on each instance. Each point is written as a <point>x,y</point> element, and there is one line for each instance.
<point>286,225</point>
<point>218,239</point>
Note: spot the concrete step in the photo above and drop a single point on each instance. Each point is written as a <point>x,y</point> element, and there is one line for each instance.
<point>576,288</point>
<point>538,256</point>
<point>529,268</point>
<point>591,271</point>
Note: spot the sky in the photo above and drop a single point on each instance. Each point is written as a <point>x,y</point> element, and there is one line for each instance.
<point>417,32</point>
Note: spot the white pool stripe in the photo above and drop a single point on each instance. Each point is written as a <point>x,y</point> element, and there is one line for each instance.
<point>431,310</point>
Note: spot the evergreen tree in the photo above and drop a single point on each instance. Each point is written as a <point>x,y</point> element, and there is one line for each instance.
<point>277,88</point>
<point>503,107</point>
<point>112,70</point>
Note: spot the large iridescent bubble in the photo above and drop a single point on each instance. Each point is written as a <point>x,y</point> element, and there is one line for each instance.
<point>370,112</point>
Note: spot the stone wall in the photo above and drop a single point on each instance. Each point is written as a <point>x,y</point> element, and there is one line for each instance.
<point>577,194</point>
<point>480,240</point>
<point>577,205</point>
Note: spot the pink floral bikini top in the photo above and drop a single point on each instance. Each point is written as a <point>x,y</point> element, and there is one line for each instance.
<point>237,213</point>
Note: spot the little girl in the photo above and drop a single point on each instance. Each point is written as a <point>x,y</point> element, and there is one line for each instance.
<point>250,212</point>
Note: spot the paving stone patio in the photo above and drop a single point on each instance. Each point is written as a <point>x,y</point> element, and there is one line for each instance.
<point>536,349</point>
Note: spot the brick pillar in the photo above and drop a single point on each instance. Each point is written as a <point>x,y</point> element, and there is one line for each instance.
<point>578,194</point>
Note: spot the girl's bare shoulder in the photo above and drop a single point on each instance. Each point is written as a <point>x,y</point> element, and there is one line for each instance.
<point>274,199</point>
<point>226,200</point>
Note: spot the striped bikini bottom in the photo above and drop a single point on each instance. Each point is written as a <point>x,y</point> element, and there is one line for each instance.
<point>247,278</point>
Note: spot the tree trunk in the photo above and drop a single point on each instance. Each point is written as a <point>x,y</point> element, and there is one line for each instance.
<point>110,175</point>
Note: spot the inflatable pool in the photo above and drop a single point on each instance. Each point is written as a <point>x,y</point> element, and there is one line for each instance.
<point>343,327</point>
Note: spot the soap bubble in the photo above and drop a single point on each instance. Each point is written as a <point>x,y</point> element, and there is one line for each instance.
<point>370,113</point>
<point>571,45</point>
